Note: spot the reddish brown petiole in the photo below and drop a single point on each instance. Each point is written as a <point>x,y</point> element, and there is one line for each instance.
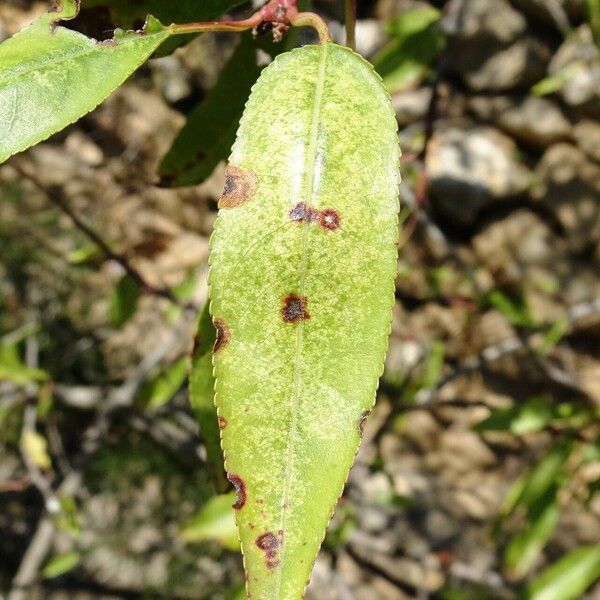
<point>279,14</point>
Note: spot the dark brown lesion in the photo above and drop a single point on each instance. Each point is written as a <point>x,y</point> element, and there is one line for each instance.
<point>270,543</point>
<point>240,490</point>
<point>294,308</point>
<point>328,218</point>
<point>240,185</point>
<point>302,213</point>
<point>223,335</point>
<point>222,422</point>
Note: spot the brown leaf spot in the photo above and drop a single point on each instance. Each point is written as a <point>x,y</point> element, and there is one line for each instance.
<point>269,543</point>
<point>362,421</point>
<point>222,422</point>
<point>240,186</point>
<point>329,219</point>
<point>294,308</point>
<point>240,490</point>
<point>223,335</point>
<point>302,213</point>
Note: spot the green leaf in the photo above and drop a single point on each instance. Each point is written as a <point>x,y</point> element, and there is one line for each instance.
<point>515,310</point>
<point>214,521</point>
<point>14,370</point>
<point>524,549</point>
<point>123,301</point>
<point>51,76</point>
<point>417,40</point>
<point>209,132</point>
<point>160,389</point>
<point>532,415</point>
<point>303,261</point>
<point>61,564</point>
<point>129,14</point>
<point>544,475</point>
<point>567,578</point>
<point>202,385</point>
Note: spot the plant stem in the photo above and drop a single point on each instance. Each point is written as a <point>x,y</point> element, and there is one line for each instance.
<point>350,12</point>
<point>280,13</point>
<point>313,20</point>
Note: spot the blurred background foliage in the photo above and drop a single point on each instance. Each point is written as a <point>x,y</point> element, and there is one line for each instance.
<point>479,473</point>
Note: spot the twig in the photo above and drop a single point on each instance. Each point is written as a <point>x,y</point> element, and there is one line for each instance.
<point>121,397</point>
<point>93,235</point>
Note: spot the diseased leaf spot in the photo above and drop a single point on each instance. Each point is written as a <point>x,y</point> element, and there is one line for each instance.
<point>240,490</point>
<point>294,309</point>
<point>329,219</point>
<point>269,543</point>
<point>362,421</point>
<point>302,213</point>
<point>223,335</point>
<point>240,186</point>
<point>222,422</point>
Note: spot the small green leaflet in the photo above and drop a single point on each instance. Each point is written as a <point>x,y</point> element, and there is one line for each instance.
<point>303,261</point>
<point>51,76</point>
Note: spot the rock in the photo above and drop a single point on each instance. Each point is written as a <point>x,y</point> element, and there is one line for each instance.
<point>491,68</point>
<point>577,62</point>
<point>472,167</point>
<point>587,135</point>
<point>411,105</point>
<point>536,122</point>
<point>484,19</point>
<point>569,186</point>
<point>554,13</point>
<point>489,47</point>
<point>519,249</point>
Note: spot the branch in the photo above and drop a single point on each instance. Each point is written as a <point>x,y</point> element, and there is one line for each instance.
<point>97,239</point>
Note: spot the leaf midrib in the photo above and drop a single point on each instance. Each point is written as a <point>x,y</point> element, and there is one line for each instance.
<point>309,187</point>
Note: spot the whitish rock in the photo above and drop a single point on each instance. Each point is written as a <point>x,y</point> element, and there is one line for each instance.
<point>484,19</point>
<point>471,167</point>
<point>568,184</point>
<point>577,62</point>
<point>490,49</point>
<point>587,135</point>
<point>411,105</point>
<point>537,122</point>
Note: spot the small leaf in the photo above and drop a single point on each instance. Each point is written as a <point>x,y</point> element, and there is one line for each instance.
<point>209,132</point>
<point>160,389</point>
<point>417,40</point>
<point>568,578</point>
<point>532,415</point>
<point>14,370</point>
<point>515,310</point>
<point>51,76</point>
<point>123,301</point>
<point>202,385</point>
<point>35,447</point>
<point>303,262</point>
<point>544,474</point>
<point>61,564</point>
<point>214,521</point>
<point>525,548</point>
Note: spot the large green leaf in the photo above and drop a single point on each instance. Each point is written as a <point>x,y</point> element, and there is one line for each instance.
<point>303,261</point>
<point>568,578</point>
<point>209,132</point>
<point>51,76</point>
